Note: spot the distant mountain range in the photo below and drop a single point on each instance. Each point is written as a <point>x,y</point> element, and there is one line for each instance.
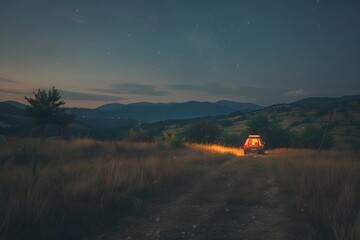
<point>326,100</point>
<point>16,104</point>
<point>116,114</point>
<point>153,112</point>
<point>11,115</point>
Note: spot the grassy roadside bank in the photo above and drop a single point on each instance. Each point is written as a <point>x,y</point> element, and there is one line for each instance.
<point>324,191</point>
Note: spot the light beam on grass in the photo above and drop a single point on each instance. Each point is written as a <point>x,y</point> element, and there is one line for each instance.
<point>218,149</point>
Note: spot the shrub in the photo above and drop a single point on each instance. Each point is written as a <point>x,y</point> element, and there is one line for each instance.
<point>140,135</point>
<point>279,138</point>
<point>145,136</point>
<point>311,137</point>
<point>203,131</point>
<point>259,125</point>
<point>232,140</point>
<point>176,141</point>
<point>132,135</point>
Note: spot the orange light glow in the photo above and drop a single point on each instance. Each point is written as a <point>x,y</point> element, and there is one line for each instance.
<point>218,149</point>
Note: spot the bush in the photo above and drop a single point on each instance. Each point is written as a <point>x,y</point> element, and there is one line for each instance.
<point>311,137</point>
<point>259,125</point>
<point>204,131</point>
<point>176,141</point>
<point>140,135</point>
<point>232,140</point>
<point>279,138</point>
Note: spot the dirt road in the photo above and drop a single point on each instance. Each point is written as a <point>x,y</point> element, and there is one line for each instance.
<point>237,200</point>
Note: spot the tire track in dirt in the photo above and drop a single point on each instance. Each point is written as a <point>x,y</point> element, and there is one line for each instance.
<point>238,200</point>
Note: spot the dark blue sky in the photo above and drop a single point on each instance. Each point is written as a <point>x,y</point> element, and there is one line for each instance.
<point>257,51</point>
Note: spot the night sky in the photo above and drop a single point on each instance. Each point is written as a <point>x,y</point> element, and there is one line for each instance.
<point>259,51</point>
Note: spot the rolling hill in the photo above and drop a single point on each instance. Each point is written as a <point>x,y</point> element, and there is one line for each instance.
<point>118,115</point>
<point>311,112</point>
<point>326,100</point>
<point>153,112</point>
<point>11,115</point>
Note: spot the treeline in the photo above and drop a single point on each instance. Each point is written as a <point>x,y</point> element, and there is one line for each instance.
<point>274,135</point>
<point>202,131</point>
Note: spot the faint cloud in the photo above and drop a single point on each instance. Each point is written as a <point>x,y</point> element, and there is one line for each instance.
<point>210,88</point>
<point>217,89</point>
<point>296,93</point>
<point>88,96</point>
<point>133,89</point>
<point>186,87</point>
<point>2,79</point>
<point>15,91</point>
<point>69,95</point>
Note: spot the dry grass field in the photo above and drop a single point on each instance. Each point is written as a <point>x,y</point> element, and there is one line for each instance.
<point>55,189</point>
<point>324,189</point>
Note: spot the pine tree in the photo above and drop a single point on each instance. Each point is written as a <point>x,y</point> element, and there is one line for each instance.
<point>45,108</point>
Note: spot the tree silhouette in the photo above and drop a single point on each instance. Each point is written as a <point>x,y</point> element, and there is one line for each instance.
<point>45,108</point>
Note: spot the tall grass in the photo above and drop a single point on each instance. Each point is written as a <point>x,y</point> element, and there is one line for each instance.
<point>325,190</point>
<point>56,189</point>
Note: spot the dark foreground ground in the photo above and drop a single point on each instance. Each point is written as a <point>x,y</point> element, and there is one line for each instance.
<point>239,199</point>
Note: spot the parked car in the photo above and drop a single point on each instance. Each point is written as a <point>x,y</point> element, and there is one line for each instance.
<point>254,144</point>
